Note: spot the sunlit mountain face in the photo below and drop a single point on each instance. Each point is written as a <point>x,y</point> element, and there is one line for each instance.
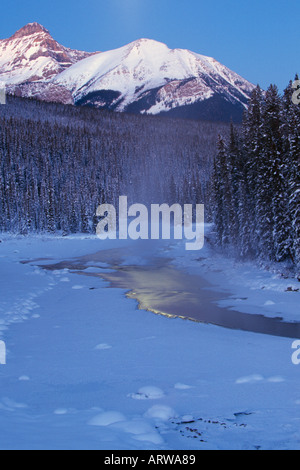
<point>143,77</point>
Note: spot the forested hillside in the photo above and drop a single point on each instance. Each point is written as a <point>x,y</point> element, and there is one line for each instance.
<point>58,163</point>
<point>256,181</point>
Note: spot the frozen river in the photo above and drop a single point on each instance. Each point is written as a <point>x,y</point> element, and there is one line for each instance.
<point>163,288</point>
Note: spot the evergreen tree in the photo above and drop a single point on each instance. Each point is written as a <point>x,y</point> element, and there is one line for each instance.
<point>259,180</point>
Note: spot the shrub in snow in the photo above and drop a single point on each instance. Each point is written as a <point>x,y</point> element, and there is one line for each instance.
<point>161,412</point>
<point>107,418</point>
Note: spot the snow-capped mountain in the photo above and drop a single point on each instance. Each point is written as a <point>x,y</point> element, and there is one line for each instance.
<point>148,77</point>
<point>143,77</point>
<point>31,58</point>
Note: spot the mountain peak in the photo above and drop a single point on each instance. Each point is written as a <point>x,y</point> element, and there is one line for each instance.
<point>148,42</point>
<point>29,29</point>
<point>33,55</point>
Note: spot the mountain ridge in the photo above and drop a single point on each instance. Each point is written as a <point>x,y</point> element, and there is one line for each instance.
<point>30,58</point>
<point>144,77</point>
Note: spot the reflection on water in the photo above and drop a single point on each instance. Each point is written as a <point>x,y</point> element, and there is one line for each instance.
<point>162,288</point>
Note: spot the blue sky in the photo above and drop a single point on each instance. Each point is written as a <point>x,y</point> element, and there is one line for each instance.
<point>259,39</point>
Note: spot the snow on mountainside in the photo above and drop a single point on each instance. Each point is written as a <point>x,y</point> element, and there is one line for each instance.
<point>148,77</point>
<point>142,77</point>
<point>32,56</point>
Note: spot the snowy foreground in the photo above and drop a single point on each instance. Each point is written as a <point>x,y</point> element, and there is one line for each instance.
<point>86,369</point>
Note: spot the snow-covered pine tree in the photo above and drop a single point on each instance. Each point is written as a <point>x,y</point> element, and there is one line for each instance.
<point>261,176</point>
<point>219,185</point>
<point>269,191</point>
<point>235,172</point>
<point>252,138</point>
<point>291,138</point>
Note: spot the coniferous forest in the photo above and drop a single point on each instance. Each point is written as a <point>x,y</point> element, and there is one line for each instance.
<point>256,181</point>
<point>58,163</point>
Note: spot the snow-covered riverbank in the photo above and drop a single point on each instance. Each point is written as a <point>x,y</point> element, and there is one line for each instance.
<point>251,289</point>
<point>87,369</point>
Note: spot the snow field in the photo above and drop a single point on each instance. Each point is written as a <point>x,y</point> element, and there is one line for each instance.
<point>93,371</point>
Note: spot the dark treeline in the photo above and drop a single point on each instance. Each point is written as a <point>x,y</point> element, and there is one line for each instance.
<point>58,163</point>
<point>256,181</point>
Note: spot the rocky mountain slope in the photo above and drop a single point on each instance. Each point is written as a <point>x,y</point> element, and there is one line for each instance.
<point>31,58</point>
<point>148,77</point>
<point>143,77</point>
